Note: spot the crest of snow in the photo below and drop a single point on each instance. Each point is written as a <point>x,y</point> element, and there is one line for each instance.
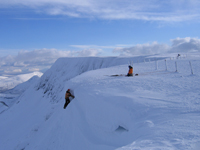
<point>159,109</point>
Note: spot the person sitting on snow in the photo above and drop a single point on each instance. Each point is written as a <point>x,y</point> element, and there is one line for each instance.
<point>130,72</point>
<point>67,96</point>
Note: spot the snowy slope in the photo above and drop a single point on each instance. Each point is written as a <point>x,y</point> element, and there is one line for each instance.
<point>66,68</point>
<point>158,110</point>
<point>8,94</point>
<point>9,97</point>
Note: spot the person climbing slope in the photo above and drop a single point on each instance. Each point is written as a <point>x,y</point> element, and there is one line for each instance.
<point>130,72</point>
<point>67,96</point>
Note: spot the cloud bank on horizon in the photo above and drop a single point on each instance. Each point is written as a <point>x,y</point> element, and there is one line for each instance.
<point>149,10</point>
<point>37,60</point>
<point>40,60</point>
<point>179,45</point>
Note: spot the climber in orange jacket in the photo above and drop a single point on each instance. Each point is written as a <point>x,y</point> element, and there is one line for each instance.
<point>130,72</point>
<point>67,95</point>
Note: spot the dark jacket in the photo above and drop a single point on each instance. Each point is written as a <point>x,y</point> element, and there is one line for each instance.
<point>68,94</point>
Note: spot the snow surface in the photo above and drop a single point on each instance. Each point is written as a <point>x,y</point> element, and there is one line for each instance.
<point>157,110</point>
<point>8,94</point>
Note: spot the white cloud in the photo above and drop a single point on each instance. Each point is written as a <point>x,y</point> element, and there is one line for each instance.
<point>38,60</point>
<point>34,69</point>
<point>95,46</point>
<point>89,52</point>
<point>185,44</point>
<point>143,49</point>
<point>179,45</point>
<point>11,71</point>
<point>156,10</point>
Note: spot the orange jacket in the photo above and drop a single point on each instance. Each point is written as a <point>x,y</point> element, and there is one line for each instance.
<point>130,71</point>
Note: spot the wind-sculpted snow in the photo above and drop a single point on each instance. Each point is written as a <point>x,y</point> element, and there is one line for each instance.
<point>158,110</point>
<point>9,97</point>
<point>66,68</point>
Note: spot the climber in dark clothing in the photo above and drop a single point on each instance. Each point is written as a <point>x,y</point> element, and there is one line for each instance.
<point>67,100</point>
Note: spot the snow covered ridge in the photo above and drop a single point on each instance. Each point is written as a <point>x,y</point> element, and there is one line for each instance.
<point>157,110</point>
<point>66,68</point>
<point>9,96</point>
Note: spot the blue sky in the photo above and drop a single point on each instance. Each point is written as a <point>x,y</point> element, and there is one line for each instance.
<point>96,27</point>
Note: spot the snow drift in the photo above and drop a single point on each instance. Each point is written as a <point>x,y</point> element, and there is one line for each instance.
<point>159,109</point>
<point>9,95</point>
